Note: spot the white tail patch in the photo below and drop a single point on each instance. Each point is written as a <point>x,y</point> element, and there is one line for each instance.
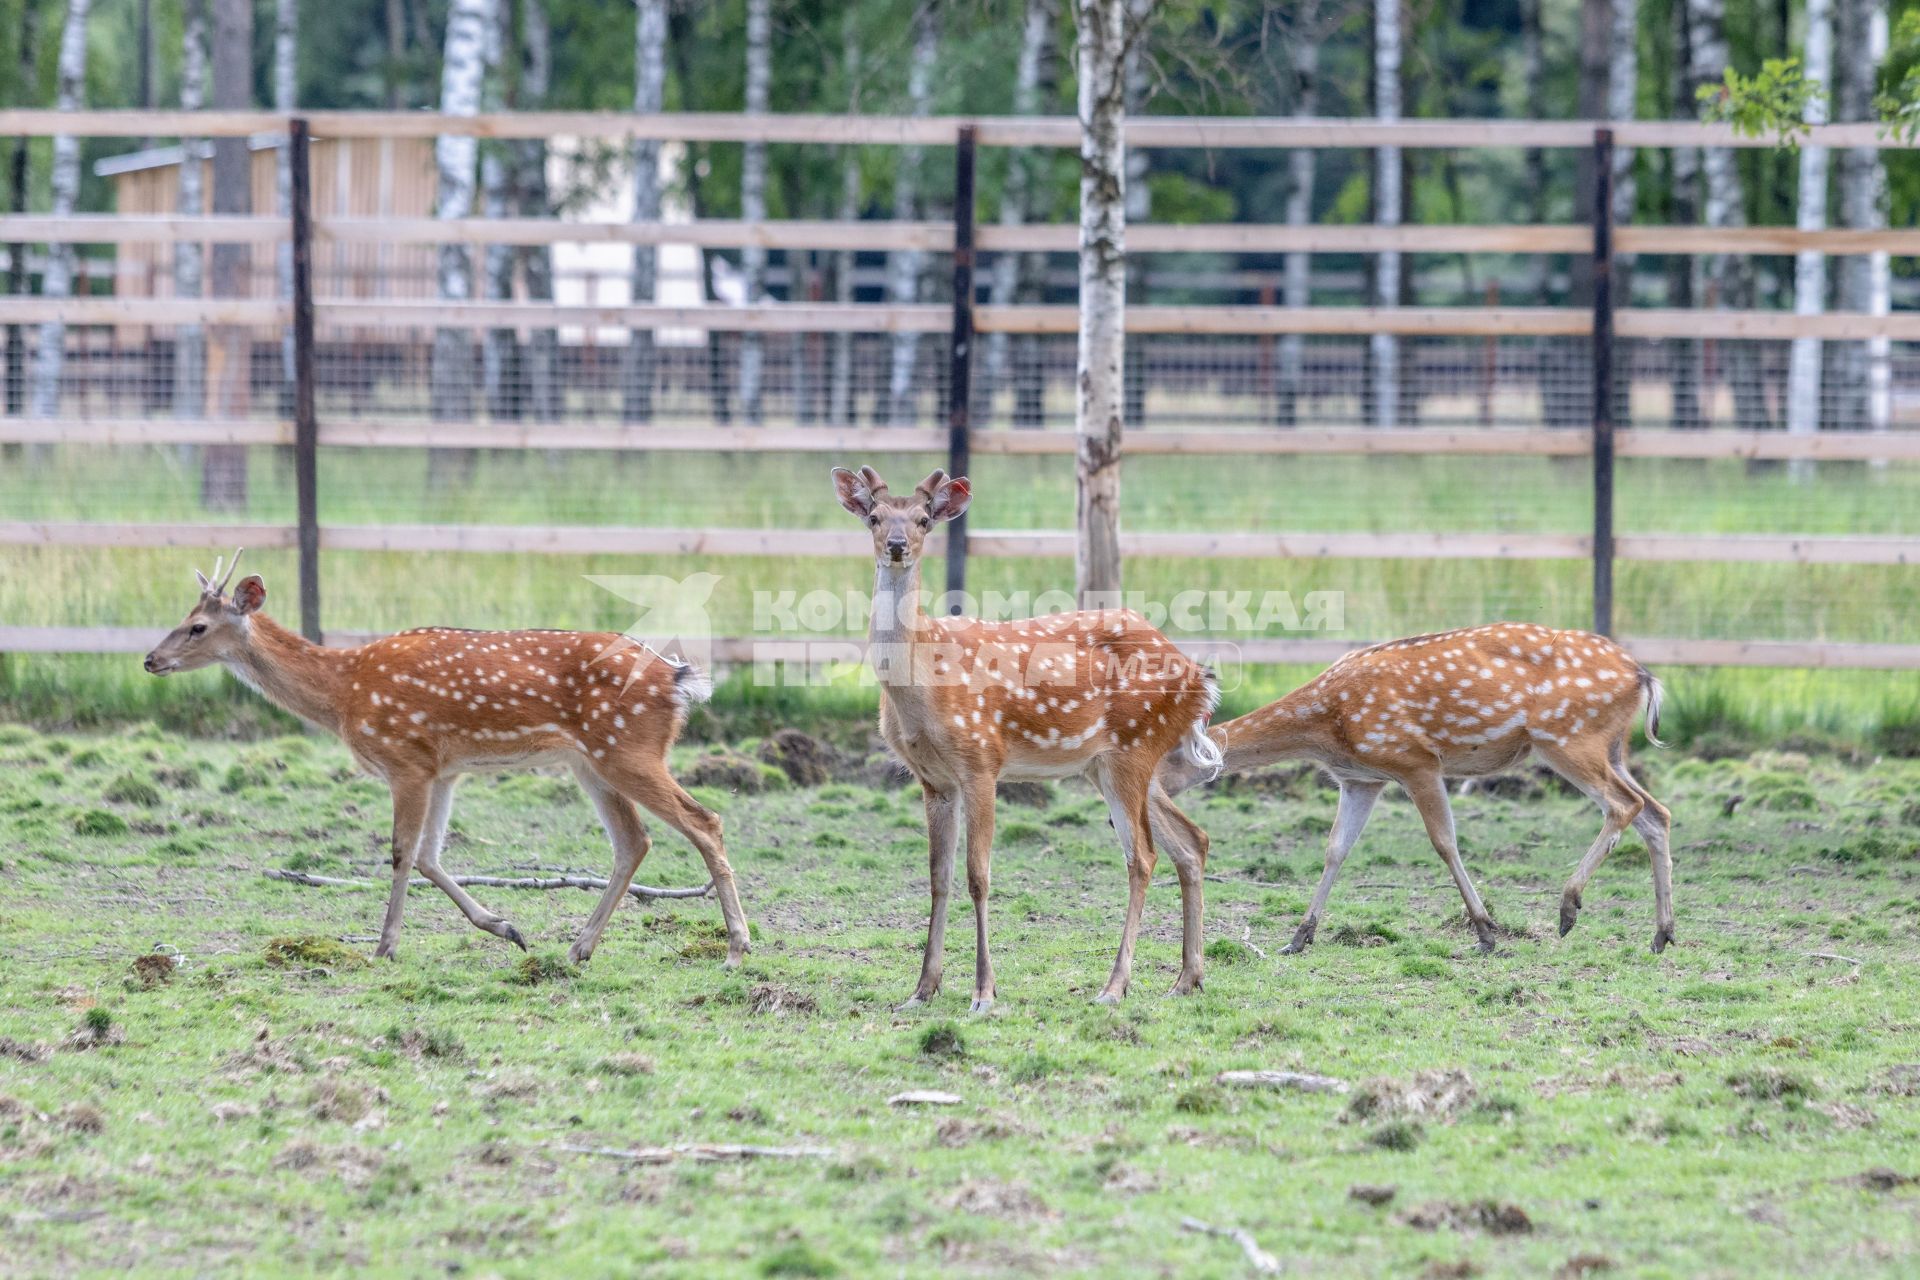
<point>1199,745</point>
<point>1656,694</point>
<point>691,685</point>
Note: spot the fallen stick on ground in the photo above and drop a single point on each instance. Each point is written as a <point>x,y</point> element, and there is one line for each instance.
<point>1262,1262</point>
<point>1251,884</point>
<point>1246,940</point>
<point>1304,1081</point>
<point>644,892</point>
<point>703,1151</point>
<point>1834,955</point>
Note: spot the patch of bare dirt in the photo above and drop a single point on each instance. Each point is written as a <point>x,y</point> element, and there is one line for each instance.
<point>335,1099</point>
<point>1879,1179</point>
<point>958,1131</point>
<point>354,1166</point>
<point>153,970</point>
<point>1581,1265</point>
<point>1900,1081</point>
<point>1376,1196</point>
<point>1435,1095</point>
<point>1491,1216</point>
<point>21,1051</point>
<point>768,998</point>
<point>994,1199</point>
<point>1847,1115</point>
<point>807,761</point>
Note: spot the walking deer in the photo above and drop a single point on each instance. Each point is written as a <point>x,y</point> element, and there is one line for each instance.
<point>965,702</point>
<point>1461,704</point>
<point>421,708</point>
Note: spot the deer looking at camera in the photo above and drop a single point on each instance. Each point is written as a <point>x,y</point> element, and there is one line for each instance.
<point>1461,704</point>
<point>421,708</point>
<point>965,702</point>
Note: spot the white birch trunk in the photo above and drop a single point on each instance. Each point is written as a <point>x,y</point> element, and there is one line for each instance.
<point>904,266</point>
<point>1016,198</point>
<point>462,68</point>
<point>189,256</point>
<point>497,373</point>
<point>649,95</point>
<point>1139,204</point>
<point>1387,201</point>
<point>532,200</point>
<point>1102,29</point>
<point>1533,94</point>
<point>286,90</point>
<point>753,204</point>
<point>1860,370</point>
<point>1810,269</point>
<point>1297,281</point>
<point>57,281</point>
<point>1623,84</point>
<point>1879,266</point>
<point>840,394</point>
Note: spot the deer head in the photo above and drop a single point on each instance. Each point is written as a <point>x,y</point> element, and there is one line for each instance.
<point>900,525</point>
<point>216,628</point>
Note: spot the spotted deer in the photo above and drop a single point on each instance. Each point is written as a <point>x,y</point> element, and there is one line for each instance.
<point>1461,704</point>
<point>421,708</point>
<point>965,702</point>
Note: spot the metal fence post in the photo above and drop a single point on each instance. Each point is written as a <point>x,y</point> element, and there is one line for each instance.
<point>306,427</point>
<point>1603,381</point>
<point>960,373</point>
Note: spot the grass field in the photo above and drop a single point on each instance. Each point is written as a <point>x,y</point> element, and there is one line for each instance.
<point>1748,1102</point>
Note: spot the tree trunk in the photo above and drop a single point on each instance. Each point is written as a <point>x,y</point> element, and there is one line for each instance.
<point>1016,203</point>
<point>1101,26</point>
<point>841,409</point>
<point>1623,92</point>
<point>57,281</point>
<point>753,205</point>
<point>903,266</point>
<point>1139,205</point>
<point>1731,274</point>
<point>223,470</point>
<point>1533,62</point>
<point>189,262</point>
<point>396,51</point>
<point>17,252</point>
<point>1859,370</point>
<point>499,374</point>
<point>1683,211</point>
<point>286,91</point>
<point>533,200</point>
<point>1384,348</point>
<point>640,367</point>
<point>1304,56</point>
<point>462,69</point>
<point>1810,268</point>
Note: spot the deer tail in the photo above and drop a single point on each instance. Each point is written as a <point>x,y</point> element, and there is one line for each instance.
<point>1655,693</point>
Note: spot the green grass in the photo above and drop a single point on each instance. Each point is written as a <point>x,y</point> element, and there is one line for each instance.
<point>270,1106</point>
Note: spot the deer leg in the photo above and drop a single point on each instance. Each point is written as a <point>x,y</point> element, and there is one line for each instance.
<point>942,836</point>
<point>1587,768</point>
<point>979,804</point>
<point>1429,794</point>
<point>655,791</point>
<point>1127,806</point>
<point>439,809</point>
<point>630,845</point>
<point>411,797</point>
<point>1187,845</point>
<point>1655,826</point>
<point>1356,806</point>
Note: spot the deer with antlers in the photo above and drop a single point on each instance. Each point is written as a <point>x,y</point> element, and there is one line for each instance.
<point>966,702</point>
<point>421,708</point>
<point>1462,704</point>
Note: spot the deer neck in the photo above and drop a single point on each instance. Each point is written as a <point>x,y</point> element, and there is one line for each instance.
<point>897,630</point>
<point>1289,729</point>
<point>291,672</point>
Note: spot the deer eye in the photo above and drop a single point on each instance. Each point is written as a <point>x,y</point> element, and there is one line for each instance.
<point>198,627</point>
<point>874,521</point>
<point>926,523</point>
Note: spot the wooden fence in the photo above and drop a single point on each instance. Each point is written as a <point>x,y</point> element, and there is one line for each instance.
<point>1600,325</point>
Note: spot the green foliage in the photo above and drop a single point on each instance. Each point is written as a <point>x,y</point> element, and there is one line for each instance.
<point>1899,105</point>
<point>99,822</point>
<point>1773,100</point>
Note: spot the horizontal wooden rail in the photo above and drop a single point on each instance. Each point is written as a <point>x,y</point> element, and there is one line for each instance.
<point>421,433</point>
<point>1314,651</point>
<point>993,131</point>
<point>1739,548</point>
<point>143,311</point>
<point>1901,326</point>
<point>937,237</point>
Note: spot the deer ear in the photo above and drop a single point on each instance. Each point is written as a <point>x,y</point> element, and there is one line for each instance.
<point>950,499</point>
<point>249,594</point>
<point>855,494</point>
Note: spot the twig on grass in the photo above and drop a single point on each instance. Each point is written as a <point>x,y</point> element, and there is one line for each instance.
<point>1246,940</point>
<point>701,1151</point>
<point>645,892</point>
<point>1262,1262</point>
<point>1251,884</point>
<point>1834,955</point>
<point>1304,1081</point>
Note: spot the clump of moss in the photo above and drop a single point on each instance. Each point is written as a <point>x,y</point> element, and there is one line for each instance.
<point>1227,951</point>
<point>99,822</point>
<point>535,970</point>
<point>1395,1135</point>
<point>1202,1100</point>
<point>153,969</point>
<point>943,1040</point>
<point>131,788</point>
<point>308,952</point>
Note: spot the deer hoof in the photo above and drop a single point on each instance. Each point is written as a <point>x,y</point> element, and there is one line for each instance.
<point>512,935</point>
<point>1184,986</point>
<point>982,1004</point>
<point>1569,913</point>
<point>1302,939</point>
<point>914,1001</point>
<point>1486,944</point>
<point>1106,998</point>
<point>1661,937</point>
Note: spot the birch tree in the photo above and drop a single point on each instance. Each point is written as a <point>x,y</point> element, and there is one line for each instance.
<point>57,280</point>
<point>1683,209</point>
<point>497,355</point>
<point>1861,371</point>
<point>1384,382</point>
<point>16,375</point>
<point>463,66</point>
<point>533,200</point>
<point>1731,274</point>
<point>1139,200</point>
<point>1810,268</point>
<point>1303,59</point>
<point>190,346</point>
<point>1101,28</point>
<point>1013,273</point>
<point>904,265</point>
<point>1533,64</point>
<point>286,91</point>
<point>1623,85</point>
<point>753,202</point>
<point>840,407</point>
<point>223,468</point>
<point>649,96</point>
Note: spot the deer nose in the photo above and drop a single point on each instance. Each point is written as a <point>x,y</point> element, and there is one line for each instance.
<point>897,548</point>
<point>148,664</point>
